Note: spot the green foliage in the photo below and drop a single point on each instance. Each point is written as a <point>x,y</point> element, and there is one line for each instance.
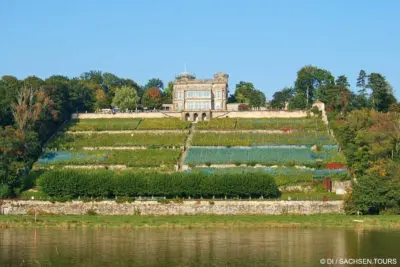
<point>246,93</point>
<point>71,183</point>
<point>4,191</point>
<point>311,83</point>
<point>378,191</point>
<point>382,93</point>
<point>125,98</point>
<point>280,98</point>
<point>152,98</point>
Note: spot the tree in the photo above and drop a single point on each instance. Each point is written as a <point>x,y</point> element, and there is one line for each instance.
<point>125,98</point>
<point>280,98</point>
<point>29,107</point>
<point>82,97</point>
<point>378,191</point>
<point>9,88</point>
<point>382,93</point>
<point>311,83</point>
<point>154,83</point>
<point>152,98</point>
<point>167,93</point>
<point>11,153</point>
<point>257,99</point>
<point>361,81</point>
<point>243,91</point>
<point>93,76</point>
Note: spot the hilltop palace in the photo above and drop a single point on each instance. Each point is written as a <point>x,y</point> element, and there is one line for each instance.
<point>193,95</point>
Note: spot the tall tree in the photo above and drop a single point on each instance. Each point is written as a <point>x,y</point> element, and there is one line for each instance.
<point>257,99</point>
<point>311,83</point>
<point>81,96</point>
<point>154,83</point>
<point>152,98</point>
<point>125,98</point>
<point>243,91</point>
<point>280,98</point>
<point>167,93</point>
<point>9,88</point>
<point>382,93</point>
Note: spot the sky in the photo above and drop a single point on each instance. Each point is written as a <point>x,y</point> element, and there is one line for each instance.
<point>263,42</point>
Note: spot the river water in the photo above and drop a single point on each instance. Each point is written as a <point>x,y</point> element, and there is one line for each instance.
<point>194,247</point>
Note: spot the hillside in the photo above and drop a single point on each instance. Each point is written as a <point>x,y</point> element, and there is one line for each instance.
<point>294,151</point>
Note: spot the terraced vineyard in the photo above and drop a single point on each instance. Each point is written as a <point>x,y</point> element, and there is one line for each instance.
<point>294,151</point>
<point>128,143</point>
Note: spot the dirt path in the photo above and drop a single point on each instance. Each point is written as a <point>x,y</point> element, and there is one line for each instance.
<point>246,131</point>
<point>126,147</point>
<point>186,146</point>
<point>129,132</point>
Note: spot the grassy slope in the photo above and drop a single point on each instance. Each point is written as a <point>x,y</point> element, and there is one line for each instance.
<point>290,221</point>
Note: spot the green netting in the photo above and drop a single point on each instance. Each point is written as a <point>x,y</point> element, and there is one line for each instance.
<point>257,139</point>
<point>263,155</point>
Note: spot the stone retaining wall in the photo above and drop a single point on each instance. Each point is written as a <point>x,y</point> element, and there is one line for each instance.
<point>173,208</point>
<point>214,114</point>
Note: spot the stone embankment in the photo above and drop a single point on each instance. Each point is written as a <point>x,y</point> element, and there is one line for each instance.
<point>204,207</point>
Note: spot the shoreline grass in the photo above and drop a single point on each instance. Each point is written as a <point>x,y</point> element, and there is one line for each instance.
<point>386,222</point>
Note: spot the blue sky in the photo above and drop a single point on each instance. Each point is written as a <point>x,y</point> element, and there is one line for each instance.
<point>264,42</point>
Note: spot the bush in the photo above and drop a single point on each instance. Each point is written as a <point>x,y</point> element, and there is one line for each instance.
<point>4,191</point>
<point>74,183</point>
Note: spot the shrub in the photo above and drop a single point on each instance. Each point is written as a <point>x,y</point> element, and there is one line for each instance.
<point>4,191</point>
<point>74,183</point>
<point>91,212</point>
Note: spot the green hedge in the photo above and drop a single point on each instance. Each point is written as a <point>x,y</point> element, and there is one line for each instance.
<point>103,183</point>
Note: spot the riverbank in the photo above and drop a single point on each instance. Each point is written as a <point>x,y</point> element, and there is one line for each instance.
<point>131,222</point>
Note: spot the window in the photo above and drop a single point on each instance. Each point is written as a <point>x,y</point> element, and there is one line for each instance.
<point>198,94</point>
<point>198,105</point>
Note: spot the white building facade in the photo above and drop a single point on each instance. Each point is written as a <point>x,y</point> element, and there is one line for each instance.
<point>191,94</point>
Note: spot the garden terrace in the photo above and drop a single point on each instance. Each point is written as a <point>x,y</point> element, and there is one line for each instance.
<point>257,139</point>
<point>129,158</point>
<point>66,141</point>
<point>267,155</point>
<point>311,123</point>
<point>120,124</point>
<point>284,176</point>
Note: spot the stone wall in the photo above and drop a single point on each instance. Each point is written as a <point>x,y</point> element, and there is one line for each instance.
<point>127,115</point>
<point>260,114</point>
<point>214,114</point>
<point>184,208</point>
